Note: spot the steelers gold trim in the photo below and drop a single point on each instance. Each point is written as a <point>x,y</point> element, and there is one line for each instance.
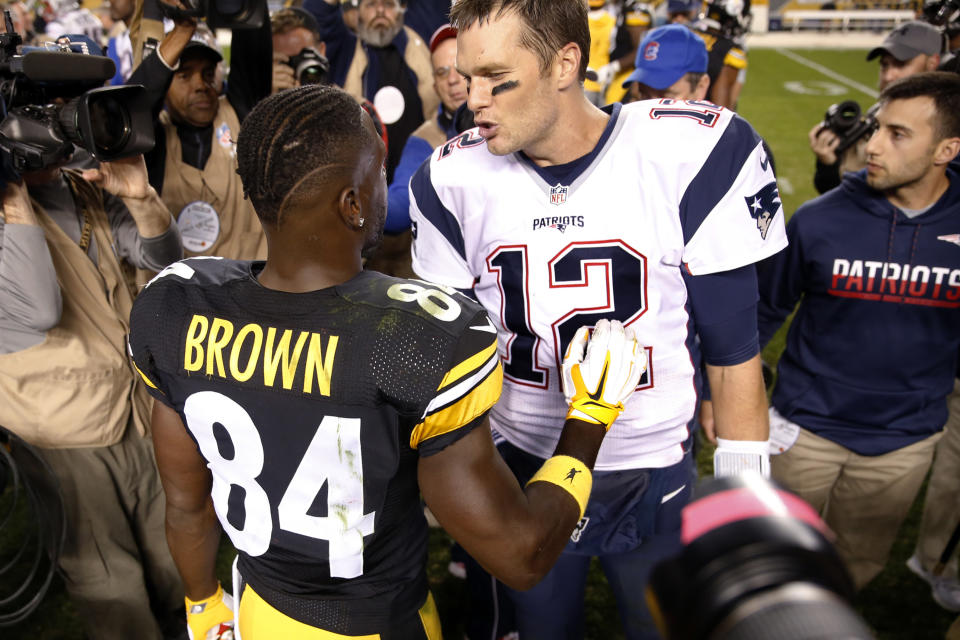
<point>468,365</point>
<point>145,378</point>
<point>474,401</point>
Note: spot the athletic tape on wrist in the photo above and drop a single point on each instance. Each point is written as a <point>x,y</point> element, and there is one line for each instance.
<point>733,457</point>
<point>569,474</point>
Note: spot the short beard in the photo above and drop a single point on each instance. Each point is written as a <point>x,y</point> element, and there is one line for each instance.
<point>379,37</point>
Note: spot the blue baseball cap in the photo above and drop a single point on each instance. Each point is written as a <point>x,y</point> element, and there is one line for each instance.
<point>667,53</point>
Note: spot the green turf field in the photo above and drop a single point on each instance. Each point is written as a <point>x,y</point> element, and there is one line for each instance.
<point>783,99</point>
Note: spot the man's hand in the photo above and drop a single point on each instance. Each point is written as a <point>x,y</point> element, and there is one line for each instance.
<point>823,143</point>
<point>126,177</point>
<point>210,618</point>
<point>283,77</point>
<point>600,374</point>
<point>17,208</point>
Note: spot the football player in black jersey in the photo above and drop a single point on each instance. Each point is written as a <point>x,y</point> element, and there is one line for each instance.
<point>304,405</point>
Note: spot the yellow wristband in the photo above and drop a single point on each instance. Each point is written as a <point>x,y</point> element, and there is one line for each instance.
<point>201,604</point>
<point>569,474</point>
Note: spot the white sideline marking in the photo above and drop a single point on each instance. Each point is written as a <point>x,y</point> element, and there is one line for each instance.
<point>785,185</point>
<point>853,84</point>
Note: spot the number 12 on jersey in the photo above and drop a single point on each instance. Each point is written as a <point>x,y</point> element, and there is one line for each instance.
<point>622,286</point>
<point>332,457</point>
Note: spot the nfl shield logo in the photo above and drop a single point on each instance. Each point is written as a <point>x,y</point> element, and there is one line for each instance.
<point>558,194</point>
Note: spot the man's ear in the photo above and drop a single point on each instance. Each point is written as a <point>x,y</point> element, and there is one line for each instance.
<point>349,207</point>
<point>702,90</point>
<point>568,65</point>
<point>947,149</point>
<point>933,62</point>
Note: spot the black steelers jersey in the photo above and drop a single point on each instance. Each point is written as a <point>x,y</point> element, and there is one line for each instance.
<point>311,410</point>
<point>721,51</point>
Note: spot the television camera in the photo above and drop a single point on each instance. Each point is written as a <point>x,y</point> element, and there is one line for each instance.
<point>53,99</point>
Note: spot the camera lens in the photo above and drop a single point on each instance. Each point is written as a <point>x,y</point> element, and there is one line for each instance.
<point>110,124</point>
<point>311,72</point>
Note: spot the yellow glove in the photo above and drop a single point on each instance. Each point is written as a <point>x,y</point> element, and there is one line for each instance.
<point>211,618</point>
<point>596,384</point>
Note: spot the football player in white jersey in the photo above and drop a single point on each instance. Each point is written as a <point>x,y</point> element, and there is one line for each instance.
<point>555,214</point>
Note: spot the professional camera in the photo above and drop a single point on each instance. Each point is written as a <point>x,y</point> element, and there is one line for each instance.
<point>310,66</point>
<point>54,99</point>
<point>219,14</point>
<point>756,563</point>
<point>847,121</point>
<point>940,12</point>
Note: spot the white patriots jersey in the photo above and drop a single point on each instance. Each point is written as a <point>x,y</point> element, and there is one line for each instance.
<point>670,186</point>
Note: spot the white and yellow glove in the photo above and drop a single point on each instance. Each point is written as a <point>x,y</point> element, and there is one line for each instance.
<point>599,374</point>
<point>211,618</point>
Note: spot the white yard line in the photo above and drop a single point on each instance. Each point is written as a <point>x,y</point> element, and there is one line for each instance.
<point>830,73</point>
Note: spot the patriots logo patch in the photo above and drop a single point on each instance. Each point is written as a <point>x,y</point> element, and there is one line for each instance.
<point>578,530</point>
<point>763,206</point>
<point>558,194</point>
<point>953,237</point>
<point>223,136</point>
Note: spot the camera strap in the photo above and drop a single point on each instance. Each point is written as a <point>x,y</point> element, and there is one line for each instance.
<point>87,229</point>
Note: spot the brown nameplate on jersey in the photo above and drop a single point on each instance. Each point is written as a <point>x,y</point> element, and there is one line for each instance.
<point>216,347</point>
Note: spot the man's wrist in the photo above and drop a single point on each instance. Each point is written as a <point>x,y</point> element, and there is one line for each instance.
<point>733,457</point>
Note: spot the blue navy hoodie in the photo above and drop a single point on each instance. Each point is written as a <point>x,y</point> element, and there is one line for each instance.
<point>871,354</point>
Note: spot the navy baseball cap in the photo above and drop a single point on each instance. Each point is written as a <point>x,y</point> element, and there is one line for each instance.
<point>679,6</point>
<point>197,48</point>
<point>666,54</point>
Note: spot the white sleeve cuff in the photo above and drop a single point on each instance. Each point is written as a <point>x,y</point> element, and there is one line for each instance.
<point>165,63</point>
<point>733,457</point>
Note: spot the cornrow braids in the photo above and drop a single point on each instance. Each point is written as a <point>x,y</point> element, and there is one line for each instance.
<point>292,134</point>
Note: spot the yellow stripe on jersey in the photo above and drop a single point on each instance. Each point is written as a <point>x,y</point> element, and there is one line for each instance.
<point>260,621</point>
<point>736,58</point>
<point>470,396</point>
<point>431,618</point>
<point>468,365</point>
<point>637,19</point>
<point>144,376</point>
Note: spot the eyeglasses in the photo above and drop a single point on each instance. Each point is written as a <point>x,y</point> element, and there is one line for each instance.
<point>385,4</point>
<point>444,72</point>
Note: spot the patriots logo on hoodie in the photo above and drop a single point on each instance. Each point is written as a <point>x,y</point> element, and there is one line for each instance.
<point>763,206</point>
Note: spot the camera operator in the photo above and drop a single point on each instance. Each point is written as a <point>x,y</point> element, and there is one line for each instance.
<point>68,388</point>
<point>193,165</point>
<point>911,48</point>
<point>860,399</point>
<point>297,46</point>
